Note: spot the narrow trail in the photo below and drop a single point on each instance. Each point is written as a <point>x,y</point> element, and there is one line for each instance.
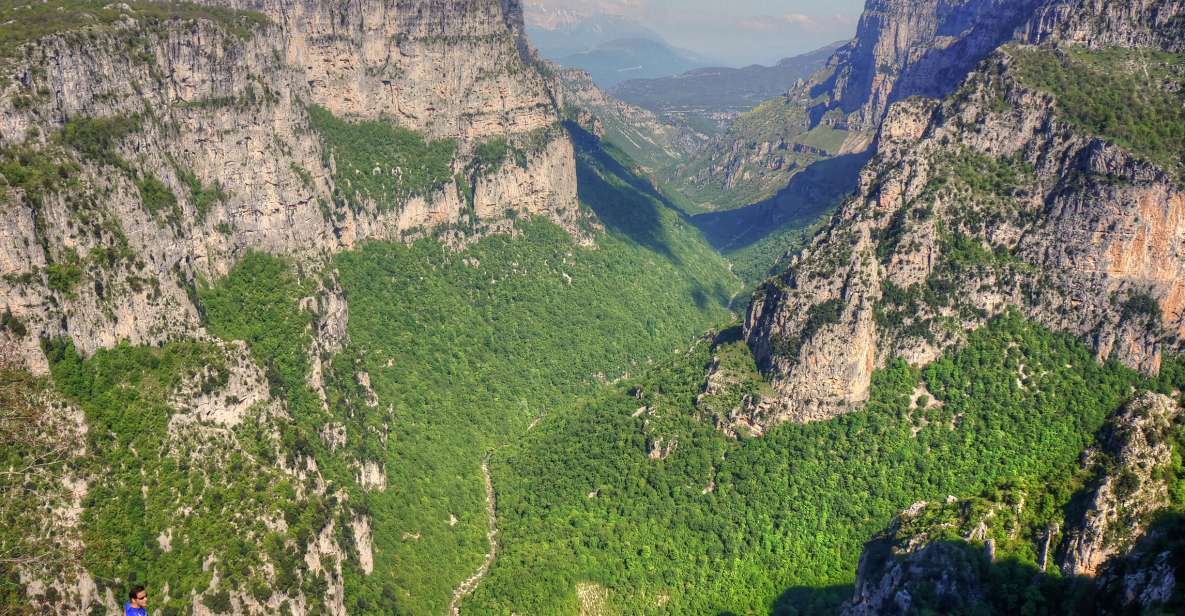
<point>469,585</point>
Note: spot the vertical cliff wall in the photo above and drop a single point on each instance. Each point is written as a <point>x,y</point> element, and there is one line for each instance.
<point>173,142</point>
<point>1004,194</point>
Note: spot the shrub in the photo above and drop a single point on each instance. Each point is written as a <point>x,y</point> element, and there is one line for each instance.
<point>97,138</point>
<point>377,160</point>
<point>157,197</point>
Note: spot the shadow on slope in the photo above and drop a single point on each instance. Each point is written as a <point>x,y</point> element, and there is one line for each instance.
<point>807,197</point>
<point>802,600</point>
<point>623,201</point>
<point>952,576</point>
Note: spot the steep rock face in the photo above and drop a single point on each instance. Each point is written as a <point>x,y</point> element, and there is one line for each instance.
<point>945,573</point>
<point>904,48</point>
<point>451,69</point>
<point>941,556</point>
<point>1149,577</point>
<point>1119,507</point>
<point>212,121</point>
<point>988,200</point>
<point>1098,23</point>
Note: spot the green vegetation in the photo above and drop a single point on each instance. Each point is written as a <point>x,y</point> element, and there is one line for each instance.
<point>36,172</point>
<point>258,304</point>
<point>755,238</point>
<point>489,155</point>
<point>737,381</point>
<point>764,258</point>
<point>1132,97</point>
<point>157,198</point>
<point>464,351</point>
<point>379,161</point>
<point>202,197</point>
<point>983,174</point>
<point>792,509</point>
<point>510,347</point>
<point>825,138</point>
<point>12,324</point>
<point>25,23</point>
<point>1141,305</point>
<point>146,473</point>
<point>97,138</point>
<point>35,445</point>
<point>1020,516</point>
<point>63,277</point>
<point>459,381</point>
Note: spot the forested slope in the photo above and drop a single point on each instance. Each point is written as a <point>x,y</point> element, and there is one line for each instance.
<point>634,493</point>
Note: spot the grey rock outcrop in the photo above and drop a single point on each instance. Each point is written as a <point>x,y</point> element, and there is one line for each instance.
<point>906,48</point>
<point>1149,577</point>
<point>1135,449</point>
<point>1083,236</point>
<point>1123,555</point>
<point>1100,24</point>
<point>888,584</point>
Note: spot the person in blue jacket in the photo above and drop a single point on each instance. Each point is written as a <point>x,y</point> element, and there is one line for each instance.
<point>137,602</point>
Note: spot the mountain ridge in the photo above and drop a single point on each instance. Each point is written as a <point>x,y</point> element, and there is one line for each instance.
<point>819,339</point>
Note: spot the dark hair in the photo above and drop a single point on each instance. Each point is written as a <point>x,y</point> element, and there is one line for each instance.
<point>135,591</point>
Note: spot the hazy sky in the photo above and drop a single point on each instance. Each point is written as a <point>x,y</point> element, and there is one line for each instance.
<point>735,31</point>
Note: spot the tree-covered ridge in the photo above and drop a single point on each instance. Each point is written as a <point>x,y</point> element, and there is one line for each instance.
<point>722,525</point>
<point>24,23</point>
<point>756,156</point>
<point>1133,97</point>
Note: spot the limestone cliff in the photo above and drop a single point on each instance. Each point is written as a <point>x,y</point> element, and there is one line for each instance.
<point>905,48</point>
<point>997,196</point>
<point>210,120</point>
<point>147,147</point>
<point>909,48</point>
<point>1135,450</point>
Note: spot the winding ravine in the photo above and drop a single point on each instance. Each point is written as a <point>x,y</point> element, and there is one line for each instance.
<point>469,585</point>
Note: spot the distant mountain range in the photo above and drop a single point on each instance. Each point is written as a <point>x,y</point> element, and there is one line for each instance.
<point>610,48</point>
<point>558,33</point>
<point>719,90</point>
<point>622,59</point>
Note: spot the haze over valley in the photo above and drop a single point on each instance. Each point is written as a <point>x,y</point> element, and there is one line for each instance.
<point>543,307</point>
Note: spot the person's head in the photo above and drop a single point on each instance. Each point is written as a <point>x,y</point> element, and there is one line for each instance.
<point>138,597</point>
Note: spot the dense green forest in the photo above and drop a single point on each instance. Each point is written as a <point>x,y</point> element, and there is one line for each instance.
<point>464,350</point>
<point>777,523</point>
<point>379,161</point>
<point>579,373</point>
